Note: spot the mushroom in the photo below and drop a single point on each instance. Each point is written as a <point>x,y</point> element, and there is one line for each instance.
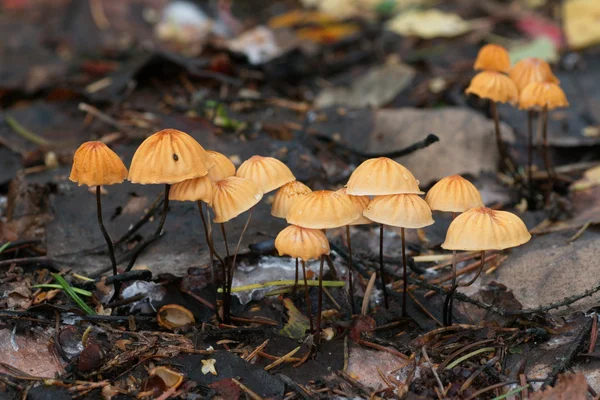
<point>174,316</point>
<point>379,177</point>
<point>231,197</point>
<point>361,203</point>
<point>526,71</point>
<point>453,194</point>
<point>322,209</point>
<point>268,172</point>
<point>94,164</point>
<point>406,211</point>
<point>201,190</point>
<point>167,157</point>
<point>492,57</point>
<point>543,96</point>
<point>283,200</point>
<point>498,88</point>
<point>305,244</point>
<point>481,229</point>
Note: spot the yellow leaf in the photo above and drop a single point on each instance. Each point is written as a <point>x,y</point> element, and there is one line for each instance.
<point>581,22</point>
<point>428,24</point>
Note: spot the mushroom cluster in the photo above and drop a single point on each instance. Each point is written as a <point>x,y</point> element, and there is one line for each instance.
<point>380,191</point>
<point>531,84</point>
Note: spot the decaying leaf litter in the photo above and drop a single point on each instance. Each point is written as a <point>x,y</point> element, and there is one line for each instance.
<point>322,87</point>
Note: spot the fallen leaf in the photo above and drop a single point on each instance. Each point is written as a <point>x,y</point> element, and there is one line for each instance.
<point>328,34</point>
<point>378,87</point>
<point>580,19</point>
<point>568,387</point>
<point>542,47</point>
<point>428,24</point>
<point>209,366</point>
<point>297,323</point>
<point>590,178</point>
<point>261,44</point>
<point>33,357</point>
<point>300,17</point>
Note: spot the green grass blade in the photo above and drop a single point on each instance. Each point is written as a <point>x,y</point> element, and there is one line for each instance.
<point>4,247</point>
<point>69,290</point>
<point>511,393</point>
<point>55,286</point>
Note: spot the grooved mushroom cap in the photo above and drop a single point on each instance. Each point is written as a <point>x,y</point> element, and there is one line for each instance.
<point>361,203</point>
<point>401,210</point>
<point>172,379</point>
<point>539,95</point>
<point>223,167</point>
<point>485,229</point>
<point>381,176</point>
<point>232,196</point>
<point>492,57</point>
<point>268,172</point>
<point>323,209</point>
<point>303,243</point>
<point>453,194</point>
<point>193,190</point>
<point>94,164</point>
<point>169,156</point>
<point>287,195</point>
<point>530,70</point>
<point>494,86</point>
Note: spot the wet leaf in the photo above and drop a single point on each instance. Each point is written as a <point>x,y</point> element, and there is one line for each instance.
<point>297,323</point>
<point>542,47</point>
<point>568,387</point>
<point>428,24</point>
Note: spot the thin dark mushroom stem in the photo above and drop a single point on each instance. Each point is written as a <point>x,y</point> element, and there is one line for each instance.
<point>404,274</point>
<point>296,278</point>
<point>208,234</point>
<point>478,271</point>
<point>350,281</point>
<point>320,305</point>
<point>109,243</point>
<point>505,159</point>
<point>225,240</point>
<point>547,161</point>
<point>530,153</point>
<point>232,265</point>
<point>307,297</point>
<point>156,235</point>
<point>381,273</point>
<point>447,310</point>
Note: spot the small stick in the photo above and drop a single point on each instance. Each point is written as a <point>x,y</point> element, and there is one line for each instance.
<point>247,390</point>
<point>368,290</point>
<point>425,310</point>
<point>435,374</point>
<point>256,351</point>
<point>282,359</point>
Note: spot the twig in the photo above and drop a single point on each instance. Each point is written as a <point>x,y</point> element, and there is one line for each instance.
<point>425,310</point>
<point>282,359</point>
<point>370,286</point>
<point>435,374</point>
<point>247,390</point>
<point>257,350</point>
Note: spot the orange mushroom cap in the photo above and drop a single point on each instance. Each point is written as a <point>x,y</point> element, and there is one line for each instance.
<point>94,164</point>
<point>361,203</point>
<point>482,228</point>
<point>530,70</point>
<point>169,156</point>
<point>193,190</point>
<point>494,86</point>
<point>223,167</point>
<point>453,194</point>
<point>492,57</point>
<point>268,172</point>
<point>286,196</point>
<point>323,209</point>
<point>303,243</point>
<point>234,195</point>
<point>541,95</point>
<point>401,210</point>
<point>381,176</point>
<point>174,316</point>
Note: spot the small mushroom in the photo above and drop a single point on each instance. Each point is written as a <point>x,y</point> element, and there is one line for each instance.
<point>172,379</point>
<point>492,57</point>
<point>453,194</point>
<point>268,172</point>
<point>404,211</point>
<point>174,316</point>
<point>94,164</point>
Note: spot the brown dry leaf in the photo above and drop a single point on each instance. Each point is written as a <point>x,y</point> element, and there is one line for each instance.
<point>31,356</point>
<point>568,387</point>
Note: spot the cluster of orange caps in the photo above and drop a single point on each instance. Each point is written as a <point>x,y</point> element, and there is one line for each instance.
<point>530,83</point>
<point>379,191</point>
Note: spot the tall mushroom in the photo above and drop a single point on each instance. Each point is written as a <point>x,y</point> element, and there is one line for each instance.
<point>94,164</point>
<point>306,244</point>
<point>498,88</point>
<point>453,194</point>
<point>543,96</point>
<point>406,211</point>
<point>481,229</point>
<point>379,177</point>
<point>526,71</point>
<point>231,197</point>
<point>322,209</point>
<point>167,157</point>
<point>361,203</point>
<point>283,200</point>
